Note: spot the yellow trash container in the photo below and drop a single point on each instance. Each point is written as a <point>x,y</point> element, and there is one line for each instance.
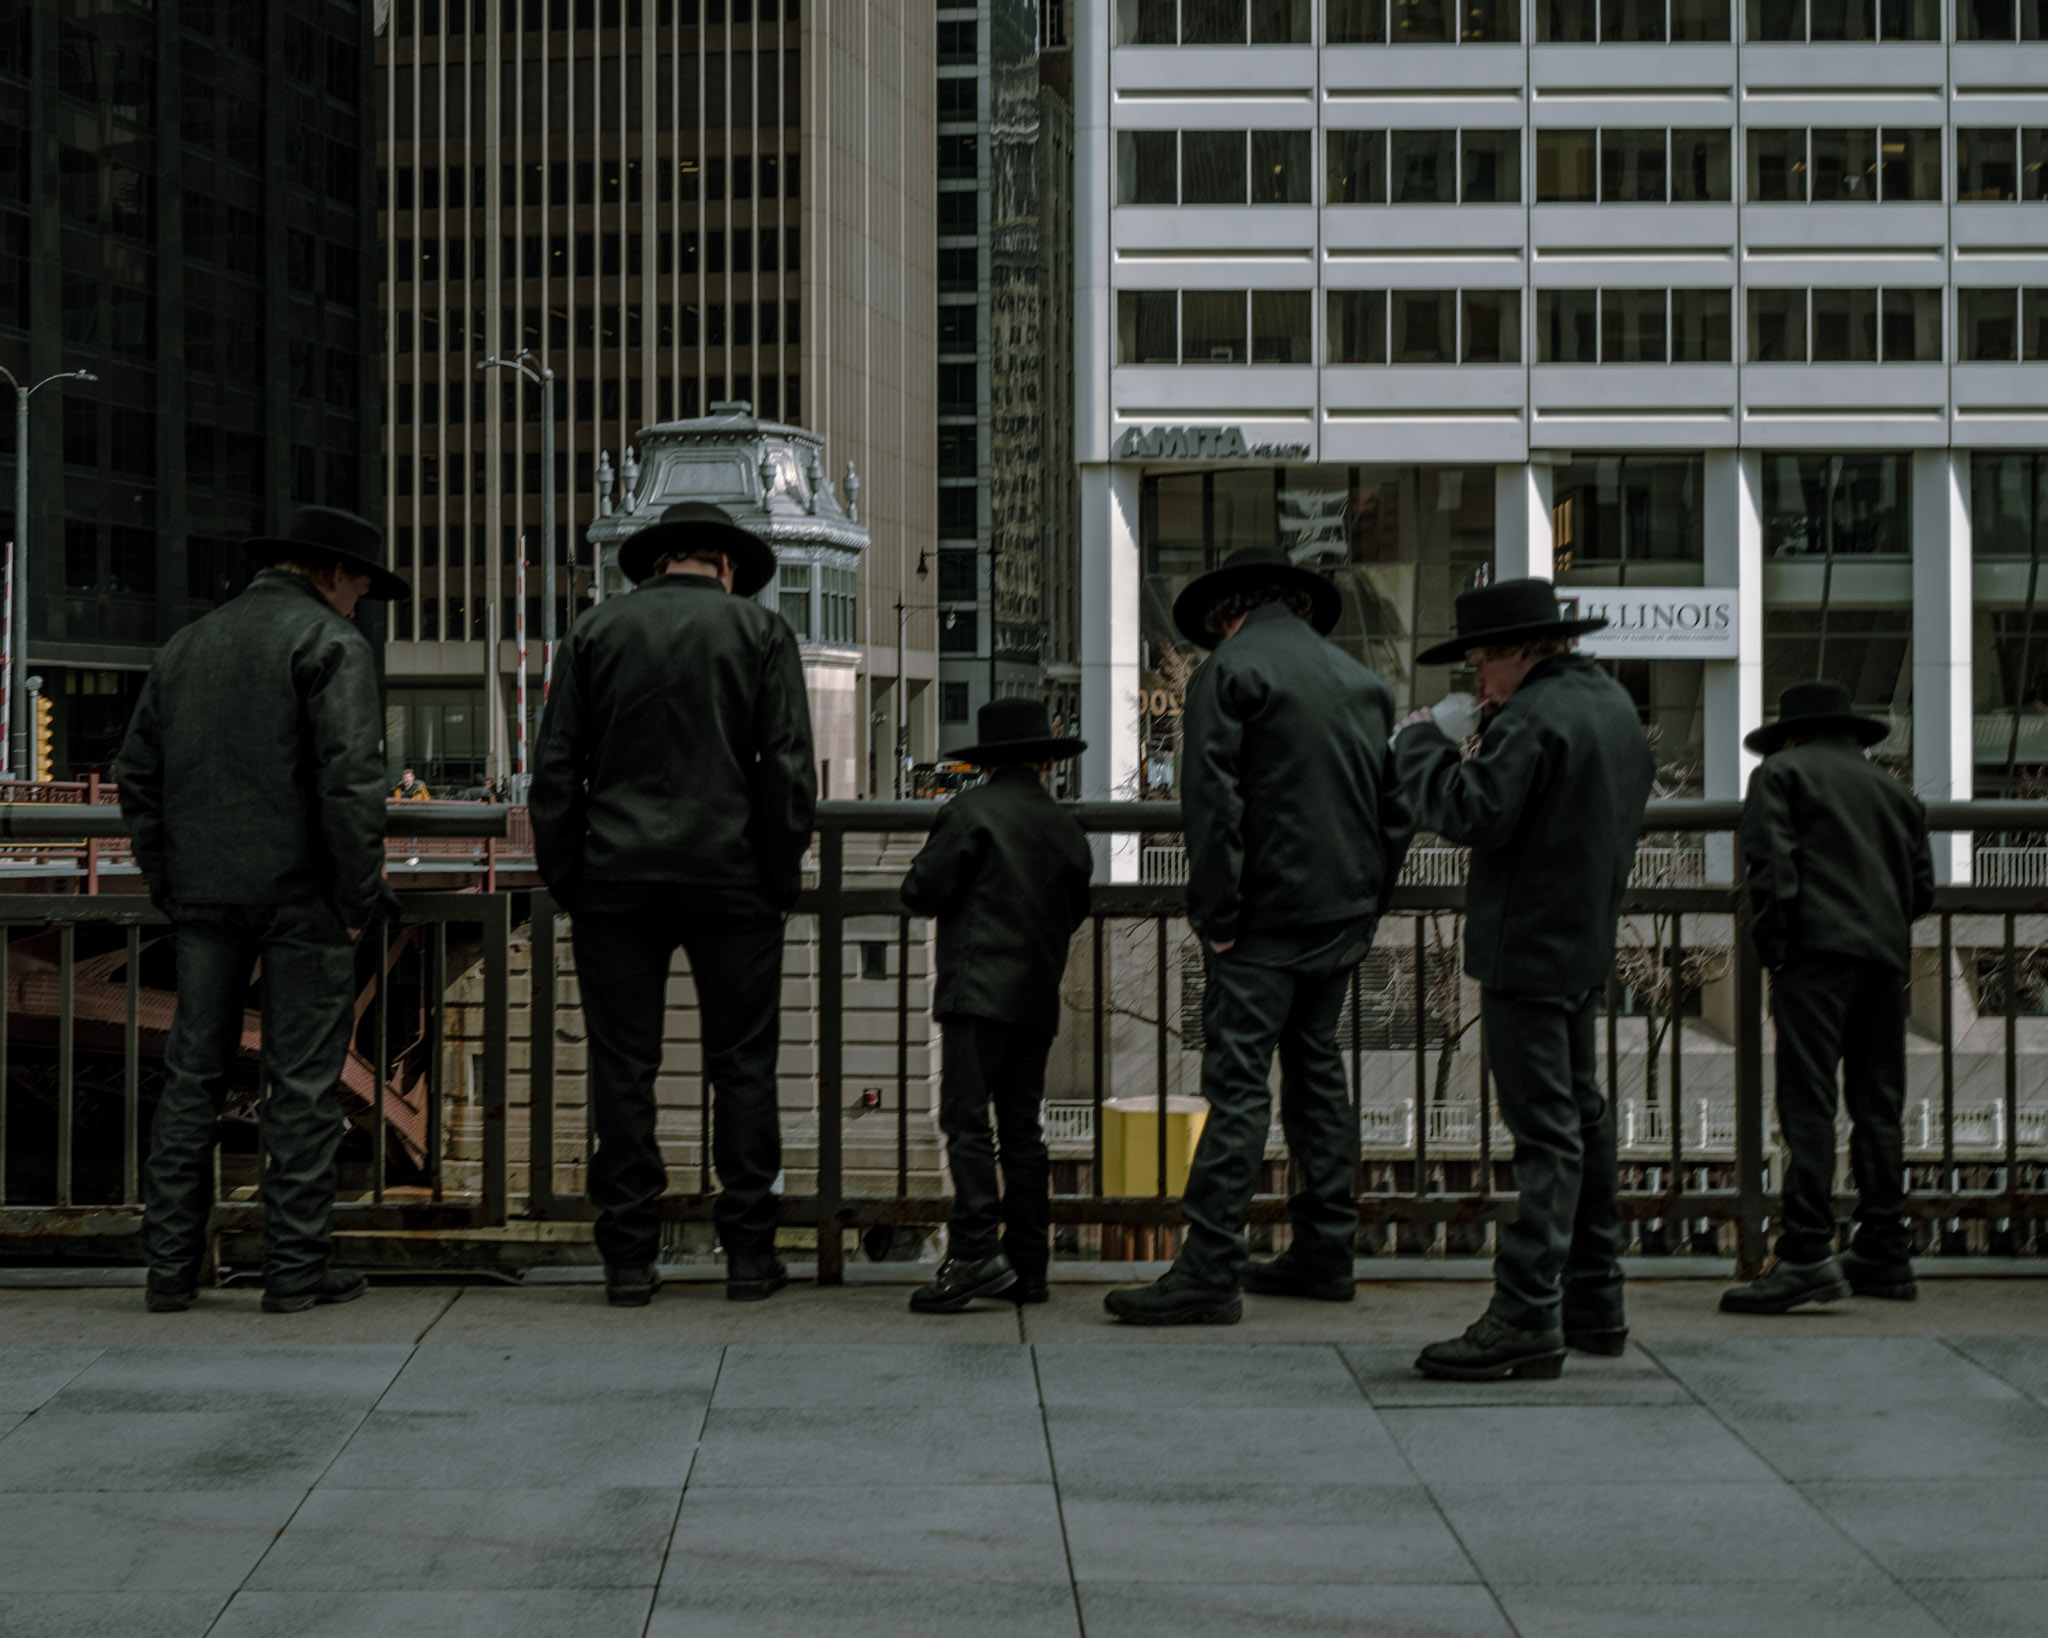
<point>1130,1143</point>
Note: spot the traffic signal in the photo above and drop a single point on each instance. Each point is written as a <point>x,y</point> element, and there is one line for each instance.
<point>46,740</point>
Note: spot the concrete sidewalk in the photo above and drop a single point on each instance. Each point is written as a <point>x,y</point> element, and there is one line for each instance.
<point>489,1463</point>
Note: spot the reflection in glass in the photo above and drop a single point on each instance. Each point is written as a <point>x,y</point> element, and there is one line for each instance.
<point>1987,163</point>
<point>1492,327</point>
<point>1702,327</point>
<point>1912,326</point>
<point>1777,165</point>
<point>1845,326</point>
<point>1700,168</point>
<point>1425,22</point>
<point>1988,326</point>
<point>1565,171</point>
<point>1280,168</point>
<point>1357,171</point>
<point>1147,171</point>
<point>1911,162</point>
<point>1631,167</point>
<point>1424,167</point>
<point>1777,326</point>
<point>1357,22</point>
<point>1632,326</point>
<point>1212,167</point>
<point>1145,327</point>
<point>1837,505</point>
<point>1425,327</point>
<point>1280,327</point>
<point>1212,326</point>
<point>1358,327</point>
<point>1844,164</point>
<point>1699,19</point>
<point>1490,167</point>
<point>1867,650</point>
<point>1567,327</point>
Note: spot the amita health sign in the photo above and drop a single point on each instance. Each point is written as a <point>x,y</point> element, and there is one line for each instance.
<point>1656,622</point>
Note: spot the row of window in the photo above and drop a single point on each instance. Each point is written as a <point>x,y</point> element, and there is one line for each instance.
<point>602,182</point>
<point>836,616</point>
<point>1578,22</point>
<point>1594,164</point>
<point>1888,325</point>
<point>778,395</point>
<point>602,255</point>
<point>780,324</point>
<point>470,16</point>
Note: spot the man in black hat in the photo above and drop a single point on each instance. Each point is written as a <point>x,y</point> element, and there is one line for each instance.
<point>1551,808</point>
<point>1294,838</point>
<point>252,779</point>
<point>1839,869</point>
<point>1006,874</point>
<point>672,797</point>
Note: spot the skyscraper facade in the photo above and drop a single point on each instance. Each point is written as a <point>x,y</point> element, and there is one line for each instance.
<point>670,204</point>
<point>182,214</point>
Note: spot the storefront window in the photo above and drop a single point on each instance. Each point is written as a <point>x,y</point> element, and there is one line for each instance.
<point>2009,637</point>
<point>1400,541</point>
<point>1837,505</point>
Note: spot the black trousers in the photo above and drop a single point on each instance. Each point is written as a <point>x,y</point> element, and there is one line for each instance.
<point>1261,997</point>
<point>1839,1015</point>
<point>309,992</point>
<point>1562,1251</point>
<point>625,935</point>
<point>999,1066</point>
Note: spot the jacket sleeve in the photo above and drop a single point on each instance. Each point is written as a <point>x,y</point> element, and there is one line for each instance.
<point>1770,858</point>
<point>338,682</point>
<point>139,772</point>
<point>1476,803</point>
<point>786,772</point>
<point>944,865</point>
<point>1080,882</point>
<point>1213,808</point>
<point>1923,866</point>
<point>1397,829</point>
<point>557,799</point>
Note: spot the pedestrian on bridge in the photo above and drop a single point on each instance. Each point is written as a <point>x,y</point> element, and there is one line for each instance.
<point>672,799</point>
<point>1839,868</point>
<point>1295,834</point>
<point>1006,873</point>
<point>252,779</point>
<point>1551,806</point>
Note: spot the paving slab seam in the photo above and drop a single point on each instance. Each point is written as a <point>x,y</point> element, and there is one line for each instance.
<point>1991,1371</point>
<point>1793,1486</point>
<point>1059,1501</point>
<point>1415,1473</point>
<point>299,1506</point>
<point>676,1519</point>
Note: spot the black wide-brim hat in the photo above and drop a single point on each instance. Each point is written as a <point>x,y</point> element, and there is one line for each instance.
<point>1016,731</point>
<point>1811,710</point>
<point>1246,569</point>
<point>693,525</point>
<point>321,536</point>
<point>1505,613</point>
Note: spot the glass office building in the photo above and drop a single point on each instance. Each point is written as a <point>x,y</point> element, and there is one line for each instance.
<point>1676,302</point>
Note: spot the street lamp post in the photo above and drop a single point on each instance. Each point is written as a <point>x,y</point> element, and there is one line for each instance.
<point>16,614</point>
<point>903,613</point>
<point>531,368</point>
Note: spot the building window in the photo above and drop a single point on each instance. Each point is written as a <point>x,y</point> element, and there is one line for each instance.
<point>1147,167</point>
<point>2009,671</point>
<point>1631,166</point>
<point>1479,167</point>
<point>1844,165</point>
<point>1213,167</point>
<point>1585,22</point>
<point>1891,326</point>
<point>1770,20</point>
<point>958,576</point>
<point>839,606</point>
<point>952,702</point>
<point>957,42</point>
<point>956,514</point>
<point>959,632</point>
<point>1422,22</point>
<point>793,598</point>
<point>1609,512</point>
<point>1998,162</point>
<point>2001,20</point>
<point>1358,327</point>
<point>1837,506</point>
<point>1633,327</point>
<point>1212,22</point>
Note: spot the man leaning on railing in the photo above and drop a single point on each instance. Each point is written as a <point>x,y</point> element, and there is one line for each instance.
<point>1551,807</point>
<point>252,780</point>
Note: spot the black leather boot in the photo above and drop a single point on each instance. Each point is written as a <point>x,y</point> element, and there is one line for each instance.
<point>1492,1351</point>
<point>1596,1330</point>
<point>630,1285</point>
<point>1174,1300</point>
<point>754,1279</point>
<point>960,1280</point>
<point>1783,1286</point>
<point>334,1285</point>
<point>1286,1276</point>
<point>1870,1277</point>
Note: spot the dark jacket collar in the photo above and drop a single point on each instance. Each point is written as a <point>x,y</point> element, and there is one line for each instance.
<point>1267,614</point>
<point>285,583</point>
<point>656,582</point>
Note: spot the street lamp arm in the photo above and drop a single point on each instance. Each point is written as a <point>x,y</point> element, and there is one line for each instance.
<point>61,375</point>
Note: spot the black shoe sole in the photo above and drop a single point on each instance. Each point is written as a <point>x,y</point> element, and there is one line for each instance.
<point>1610,1343</point>
<point>298,1302</point>
<point>992,1287</point>
<point>1255,1287</point>
<point>755,1290</point>
<point>1891,1291</point>
<point>631,1296</point>
<point>169,1302</point>
<point>1734,1302</point>
<point>1021,1294</point>
<point>1530,1367</point>
<point>1228,1312</point>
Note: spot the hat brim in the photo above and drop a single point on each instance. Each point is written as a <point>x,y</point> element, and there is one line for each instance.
<point>1866,731</point>
<point>1205,591</point>
<point>753,562</point>
<point>1005,751</point>
<point>1501,636</point>
<point>384,585</point>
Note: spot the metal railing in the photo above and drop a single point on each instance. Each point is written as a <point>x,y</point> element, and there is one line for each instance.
<point>458,1059</point>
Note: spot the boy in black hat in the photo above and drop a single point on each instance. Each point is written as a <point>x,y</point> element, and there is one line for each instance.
<point>1006,875</point>
<point>1839,868</point>
<point>1295,836</point>
<point>1551,808</point>
<point>252,779</point>
<point>673,790</point>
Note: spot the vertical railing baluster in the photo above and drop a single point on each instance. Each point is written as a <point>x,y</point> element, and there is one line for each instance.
<point>1357,1083</point>
<point>1101,1066</point>
<point>2012,1062</point>
<point>1160,1056</point>
<point>831,1043</point>
<point>67,1002</point>
<point>380,1048</point>
<point>497,933</point>
<point>1675,1024</point>
<point>1949,1181</point>
<point>436,1046</point>
<point>1421,1067</point>
<point>1749,1088</point>
<point>6,1079</point>
<point>902,1057</point>
<point>131,1072</point>
<point>540,1052</point>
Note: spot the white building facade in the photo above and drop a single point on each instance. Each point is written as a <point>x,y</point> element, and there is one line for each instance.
<point>1731,315</point>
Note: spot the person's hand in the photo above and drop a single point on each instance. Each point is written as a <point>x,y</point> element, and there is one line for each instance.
<point>1409,721</point>
<point>785,915</point>
<point>1221,945</point>
<point>1456,717</point>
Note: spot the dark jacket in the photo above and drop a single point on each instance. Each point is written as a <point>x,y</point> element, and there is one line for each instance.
<point>253,771</point>
<point>1292,814</point>
<point>1551,808</point>
<point>676,746</point>
<point>1837,855</point>
<point>1006,874</point>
